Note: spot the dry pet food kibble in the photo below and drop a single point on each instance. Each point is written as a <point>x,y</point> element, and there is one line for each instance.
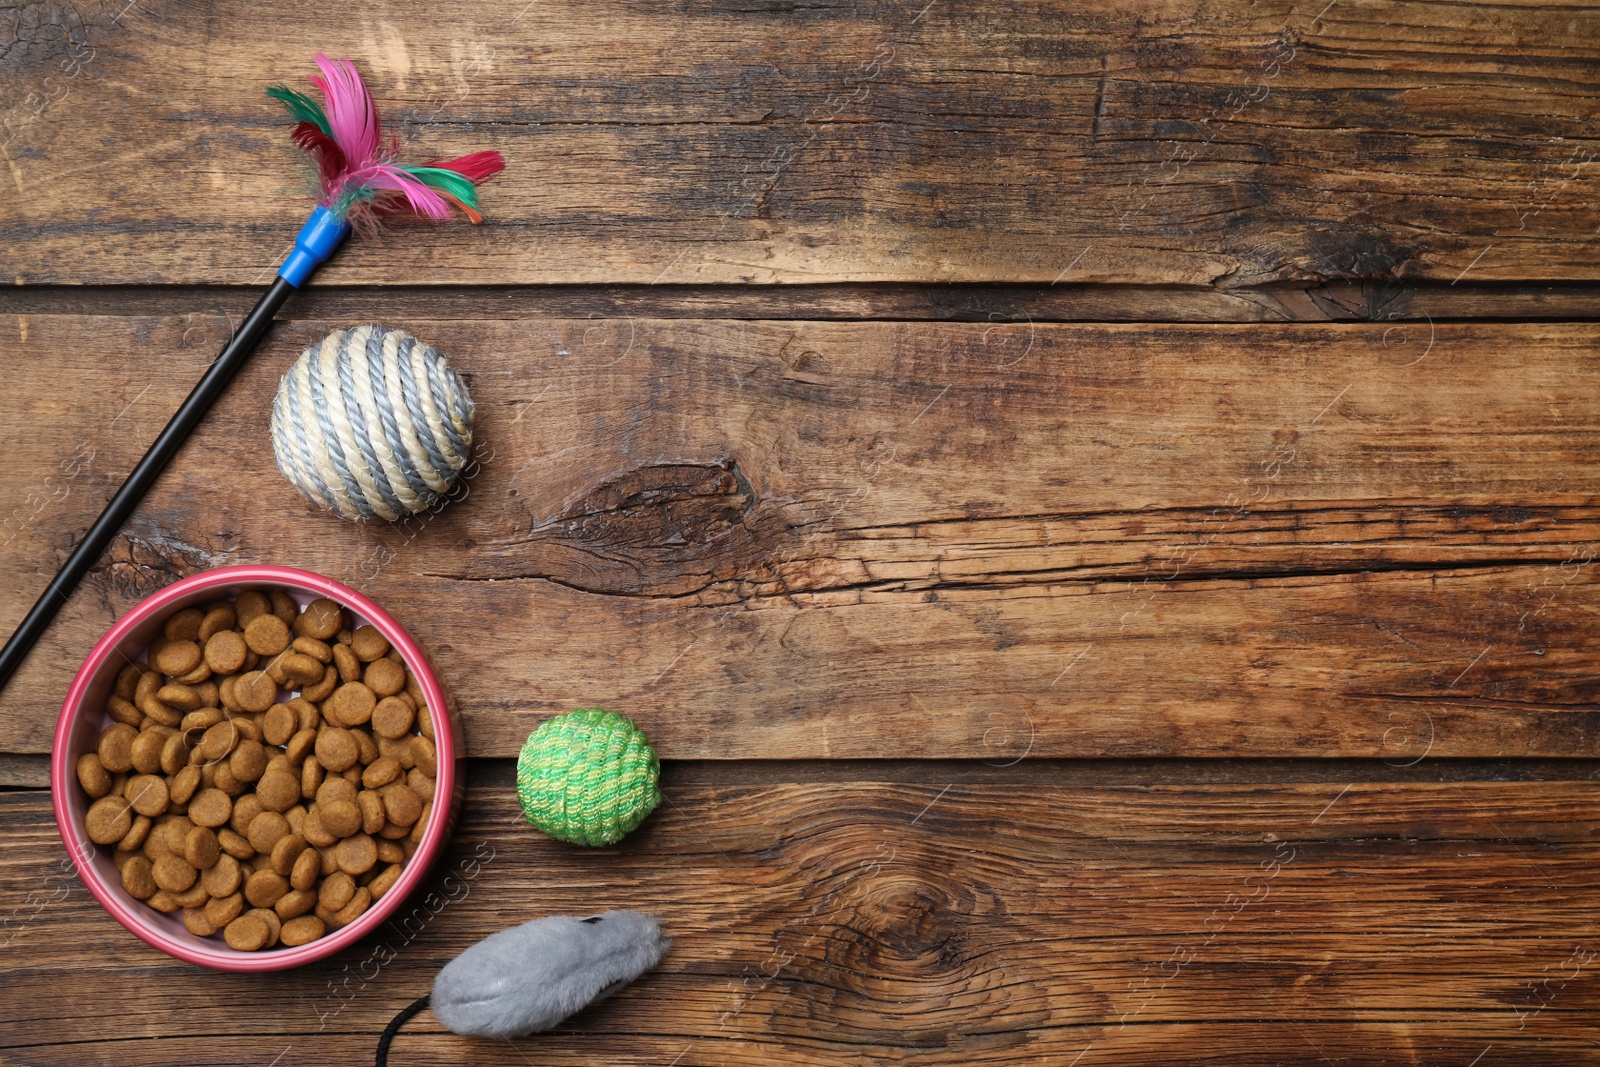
<point>254,815</point>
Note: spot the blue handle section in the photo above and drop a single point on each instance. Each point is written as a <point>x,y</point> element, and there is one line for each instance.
<point>319,238</point>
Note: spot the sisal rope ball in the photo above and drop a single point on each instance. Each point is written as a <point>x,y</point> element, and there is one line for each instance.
<point>372,423</point>
<point>588,777</point>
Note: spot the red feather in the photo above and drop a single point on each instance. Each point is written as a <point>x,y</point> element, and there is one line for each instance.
<point>477,167</point>
<point>331,163</point>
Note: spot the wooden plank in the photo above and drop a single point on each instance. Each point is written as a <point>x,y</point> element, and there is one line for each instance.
<point>935,540</point>
<point>1388,303</point>
<point>920,924</point>
<point>1168,141</point>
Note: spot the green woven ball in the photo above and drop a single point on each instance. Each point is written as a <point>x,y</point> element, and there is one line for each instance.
<point>588,777</point>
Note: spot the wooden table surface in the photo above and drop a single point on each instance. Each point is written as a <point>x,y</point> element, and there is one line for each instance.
<point>1094,504</point>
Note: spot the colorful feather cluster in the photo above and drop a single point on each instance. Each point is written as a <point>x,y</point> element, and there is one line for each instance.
<point>359,173</point>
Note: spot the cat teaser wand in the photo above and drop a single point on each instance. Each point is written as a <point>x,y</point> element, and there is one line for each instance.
<point>361,183</point>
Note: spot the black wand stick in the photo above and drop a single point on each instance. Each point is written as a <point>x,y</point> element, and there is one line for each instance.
<point>317,241</point>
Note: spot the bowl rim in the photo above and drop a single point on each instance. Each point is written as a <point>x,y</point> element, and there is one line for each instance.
<point>63,770</point>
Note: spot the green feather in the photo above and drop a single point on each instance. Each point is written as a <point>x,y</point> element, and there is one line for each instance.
<point>301,107</point>
<point>447,181</point>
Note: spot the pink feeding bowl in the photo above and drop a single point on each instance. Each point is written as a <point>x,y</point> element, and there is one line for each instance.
<point>83,718</point>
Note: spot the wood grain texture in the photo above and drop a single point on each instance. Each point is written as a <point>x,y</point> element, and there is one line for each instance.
<point>815,540</point>
<point>919,923</point>
<point>1167,141</point>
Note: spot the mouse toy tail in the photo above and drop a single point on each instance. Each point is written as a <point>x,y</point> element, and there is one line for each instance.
<point>394,1027</point>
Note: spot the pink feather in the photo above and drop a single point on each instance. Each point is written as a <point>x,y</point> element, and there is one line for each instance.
<point>423,200</point>
<point>352,114</point>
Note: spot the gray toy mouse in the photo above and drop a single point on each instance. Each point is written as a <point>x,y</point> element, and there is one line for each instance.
<point>530,977</point>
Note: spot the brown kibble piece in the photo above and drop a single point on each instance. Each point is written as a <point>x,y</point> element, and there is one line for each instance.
<point>301,670</point>
<point>93,776</point>
<point>235,844</point>
<point>137,834</point>
<point>314,832</point>
<point>392,717</point>
<point>128,680</point>
<point>425,756</point>
<point>336,749</point>
<point>123,711</point>
<point>351,704</point>
<point>251,602</point>
<point>286,851</point>
<point>138,878</point>
<point>283,605</point>
<point>302,930</point>
<point>225,651</point>
<point>179,697</point>
<point>255,691</point>
<point>352,911</point>
<point>368,644</point>
<point>266,635</point>
<point>200,848</point>
<point>197,722</point>
<point>336,789</point>
<point>380,772</point>
<point>174,873</point>
<point>116,748</point>
<point>184,625</point>
<point>278,790</point>
<point>194,677</point>
<point>219,618</point>
<point>221,911</point>
<point>108,819</point>
<point>336,891</point>
<point>216,742</point>
<point>174,754</point>
<point>177,657</point>
<point>390,852</point>
<point>263,888</point>
<point>147,794</point>
<point>345,661</point>
<point>222,778</point>
<point>195,921</point>
<point>300,745</point>
<point>320,651</point>
<point>356,854</point>
<point>183,785</point>
<point>274,924</point>
<point>421,785</point>
<point>247,933</point>
<point>385,881</point>
<point>163,901</point>
<point>210,807</point>
<point>223,877</point>
<point>193,897</point>
<point>400,804</point>
<point>310,777</point>
<point>294,903</point>
<point>341,818</point>
<point>323,689</point>
<point>265,830</point>
<point>372,814</point>
<point>385,677</point>
<point>248,761</point>
<point>322,619</point>
<point>279,724</point>
<point>366,751</point>
<point>306,870</point>
<point>146,751</point>
<point>245,810</point>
